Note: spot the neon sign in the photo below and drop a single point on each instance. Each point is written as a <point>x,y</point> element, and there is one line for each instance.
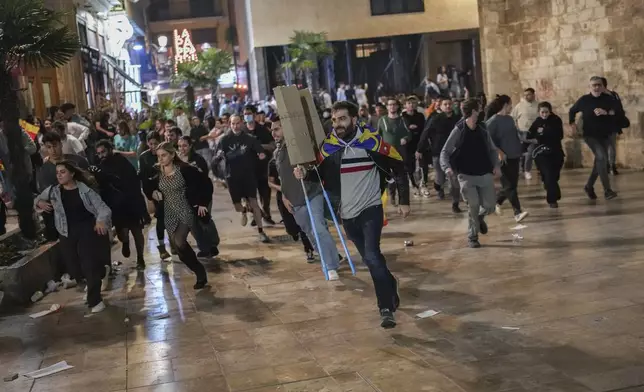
<point>184,50</point>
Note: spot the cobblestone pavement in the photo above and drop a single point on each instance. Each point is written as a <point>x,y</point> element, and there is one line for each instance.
<point>560,311</point>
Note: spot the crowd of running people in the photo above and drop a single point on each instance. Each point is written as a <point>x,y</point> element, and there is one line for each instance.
<point>102,177</point>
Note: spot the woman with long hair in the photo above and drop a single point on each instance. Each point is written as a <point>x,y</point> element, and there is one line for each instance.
<point>507,139</point>
<point>186,193</point>
<point>126,144</point>
<point>547,130</point>
<point>83,222</point>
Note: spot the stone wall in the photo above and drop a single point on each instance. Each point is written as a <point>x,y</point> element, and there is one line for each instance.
<point>555,46</point>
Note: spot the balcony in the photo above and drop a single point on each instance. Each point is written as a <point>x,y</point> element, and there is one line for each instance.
<point>172,10</point>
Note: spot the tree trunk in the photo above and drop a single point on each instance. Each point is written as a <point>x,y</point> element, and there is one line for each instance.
<point>214,98</point>
<point>308,74</point>
<point>190,100</point>
<point>24,200</point>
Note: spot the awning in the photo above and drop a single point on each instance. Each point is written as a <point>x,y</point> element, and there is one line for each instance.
<point>108,62</point>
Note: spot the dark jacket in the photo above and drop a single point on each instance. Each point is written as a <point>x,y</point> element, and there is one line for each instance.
<point>198,185</point>
<point>389,169</point>
<point>120,187</point>
<point>552,132</point>
<point>451,154</point>
<point>197,161</point>
<point>198,188</point>
<point>148,173</point>
<point>436,133</point>
<point>597,126</point>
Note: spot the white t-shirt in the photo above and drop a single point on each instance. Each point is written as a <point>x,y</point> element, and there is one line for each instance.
<point>71,145</point>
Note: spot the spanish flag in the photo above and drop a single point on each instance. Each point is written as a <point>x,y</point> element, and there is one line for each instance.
<point>32,130</point>
<point>369,140</point>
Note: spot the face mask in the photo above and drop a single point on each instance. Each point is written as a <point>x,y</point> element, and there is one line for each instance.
<point>249,118</point>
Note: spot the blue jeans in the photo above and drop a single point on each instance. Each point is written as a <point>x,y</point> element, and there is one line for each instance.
<point>599,147</point>
<point>364,231</point>
<point>327,250</point>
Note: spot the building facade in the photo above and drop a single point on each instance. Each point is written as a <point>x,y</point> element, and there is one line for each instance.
<point>176,30</point>
<point>100,71</point>
<point>366,36</point>
<point>556,47</point>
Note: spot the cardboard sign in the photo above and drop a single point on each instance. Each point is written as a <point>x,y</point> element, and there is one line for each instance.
<point>303,131</point>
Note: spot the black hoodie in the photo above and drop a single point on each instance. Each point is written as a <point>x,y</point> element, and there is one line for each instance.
<point>436,132</point>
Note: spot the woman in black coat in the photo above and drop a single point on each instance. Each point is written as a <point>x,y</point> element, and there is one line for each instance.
<point>547,130</point>
<point>186,193</point>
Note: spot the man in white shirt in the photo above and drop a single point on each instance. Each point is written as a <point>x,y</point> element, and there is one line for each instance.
<point>70,143</point>
<point>524,113</point>
<point>326,99</point>
<point>182,121</point>
<point>341,93</point>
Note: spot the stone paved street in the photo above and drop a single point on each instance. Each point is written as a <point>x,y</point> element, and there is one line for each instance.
<point>560,311</point>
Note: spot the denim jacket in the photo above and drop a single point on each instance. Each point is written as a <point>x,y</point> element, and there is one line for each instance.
<point>91,200</point>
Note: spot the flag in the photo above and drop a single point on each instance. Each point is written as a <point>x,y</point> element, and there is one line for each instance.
<point>32,130</point>
<point>369,140</point>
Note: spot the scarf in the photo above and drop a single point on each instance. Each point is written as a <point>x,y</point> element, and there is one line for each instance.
<point>368,139</point>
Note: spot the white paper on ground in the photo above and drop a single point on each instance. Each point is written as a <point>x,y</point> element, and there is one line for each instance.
<point>49,370</point>
<point>428,313</point>
<point>519,227</point>
<point>511,328</point>
<point>54,308</point>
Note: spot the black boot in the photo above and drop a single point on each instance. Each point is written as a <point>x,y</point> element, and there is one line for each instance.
<point>140,264</point>
<point>163,254</point>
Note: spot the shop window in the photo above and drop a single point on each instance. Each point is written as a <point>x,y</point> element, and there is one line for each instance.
<point>82,34</point>
<point>92,40</point>
<point>201,36</point>
<point>366,50</point>
<point>46,93</point>
<point>201,8</point>
<point>101,44</point>
<point>30,97</point>
<point>390,7</point>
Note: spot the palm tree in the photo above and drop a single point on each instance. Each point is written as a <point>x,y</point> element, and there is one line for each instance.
<point>163,110</point>
<point>30,36</point>
<point>205,72</point>
<point>305,50</point>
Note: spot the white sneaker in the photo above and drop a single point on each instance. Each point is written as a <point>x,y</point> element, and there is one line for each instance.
<point>333,275</point>
<point>521,216</point>
<point>106,280</point>
<point>244,219</point>
<point>99,308</point>
<point>528,175</point>
<point>498,210</point>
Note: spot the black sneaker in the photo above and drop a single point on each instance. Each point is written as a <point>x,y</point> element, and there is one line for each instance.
<point>125,250</point>
<point>441,194</point>
<point>614,170</point>
<point>387,319</point>
<point>269,221</point>
<point>474,244</point>
<point>214,251</point>
<point>396,294</point>
<point>610,194</point>
<point>456,209</point>
<point>204,255</point>
<point>590,192</point>
<point>200,284</point>
<point>310,257</point>
<point>554,205</point>
<point>482,224</point>
<point>263,238</point>
<point>253,223</point>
